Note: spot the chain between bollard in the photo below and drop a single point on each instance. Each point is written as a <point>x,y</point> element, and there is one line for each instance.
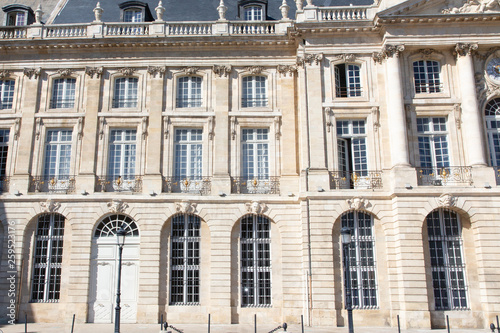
<point>284,327</point>
<point>166,325</point>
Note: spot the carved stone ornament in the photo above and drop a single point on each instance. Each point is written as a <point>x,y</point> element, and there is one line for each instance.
<point>457,108</point>
<point>286,70</point>
<point>65,72</point>
<point>426,53</point>
<point>185,207</point>
<point>32,72</point>
<point>153,70</point>
<point>166,126</point>
<point>254,69</point>
<point>376,118</point>
<point>190,70</point>
<point>127,71</point>
<point>328,119</point>
<point>50,206</point>
<point>4,73</point>
<point>222,70</point>
<point>470,6</point>
<point>464,49</point>
<point>91,71</point>
<point>277,127</point>
<point>346,57</point>
<point>485,88</point>
<point>234,123</point>
<point>388,51</point>
<point>310,59</point>
<point>446,200</point>
<point>117,206</point>
<point>256,207</point>
<point>211,127</point>
<point>358,203</point>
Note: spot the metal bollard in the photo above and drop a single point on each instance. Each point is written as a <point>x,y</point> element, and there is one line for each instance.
<point>492,326</point>
<point>73,325</point>
<point>284,327</point>
<point>166,325</point>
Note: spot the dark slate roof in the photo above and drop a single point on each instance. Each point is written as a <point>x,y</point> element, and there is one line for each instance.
<point>81,11</point>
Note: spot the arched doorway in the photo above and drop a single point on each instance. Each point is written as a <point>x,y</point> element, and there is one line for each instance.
<point>104,268</point>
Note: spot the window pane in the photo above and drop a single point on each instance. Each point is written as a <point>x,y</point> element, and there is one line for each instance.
<point>125,95</point>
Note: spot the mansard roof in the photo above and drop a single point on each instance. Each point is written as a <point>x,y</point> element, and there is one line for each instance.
<point>81,11</point>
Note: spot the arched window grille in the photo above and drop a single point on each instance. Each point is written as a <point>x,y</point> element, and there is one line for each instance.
<point>109,226</point>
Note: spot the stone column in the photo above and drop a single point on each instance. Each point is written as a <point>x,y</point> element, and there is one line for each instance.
<point>221,181</point>
<point>287,128</point>
<point>86,178</point>
<point>152,181</point>
<point>471,115</point>
<point>22,169</point>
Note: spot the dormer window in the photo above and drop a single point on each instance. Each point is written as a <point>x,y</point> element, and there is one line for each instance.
<point>135,11</point>
<point>18,15</point>
<point>252,10</point>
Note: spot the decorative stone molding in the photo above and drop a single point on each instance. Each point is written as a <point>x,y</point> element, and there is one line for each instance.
<point>127,71</point>
<point>388,51</point>
<point>254,69</point>
<point>485,88</point>
<point>426,53</point>
<point>409,109</point>
<point>38,127</point>
<point>191,70</point>
<point>50,206</point>
<point>446,200</point>
<point>98,12</point>
<point>346,57</point>
<point>211,127</point>
<point>284,8</point>
<point>222,70</point>
<point>222,9</point>
<point>80,127</point>
<point>256,207</point>
<point>17,127</point>
<point>287,70</point>
<point>376,118</point>
<point>166,126</point>
<point>160,10</point>
<point>117,206</point>
<point>277,127</point>
<point>4,74</point>
<point>471,6</point>
<point>144,125</point>
<point>153,70</point>
<point>91,71</point>
<point>102,123</point>
<point>234,122</point>
<point>38,14</point>
<point>328,119</point>
<point>358,203</point>
<point>65,72</point>
<point>310,59</point>
<point>465,49</point>
<point>457,109</point>
<point>185,207</point>
<point>30,72</point>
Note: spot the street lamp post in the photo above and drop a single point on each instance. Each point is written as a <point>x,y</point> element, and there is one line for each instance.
<point>120,241</point>
<point>345,234</point>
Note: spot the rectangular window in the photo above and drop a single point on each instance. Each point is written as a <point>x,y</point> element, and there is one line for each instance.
<point>6,94</point>
<point>426,76</point>
<point>255,153</point>
<point>185,260</point>
<point>254,92</point>
<point>58,154</point>
<point>126,92</point>
<point>4,150</point>
<point>347,80</point>
<point>352,151</point>
<point>133,15</point>
<point>189,92</point>
<point>16,19</point>
<point>433,145</point>
<point>122,154</point>
<point>253,13</point>
<point>47,258</point>
<point>188,154</point>
<point>63,93</point>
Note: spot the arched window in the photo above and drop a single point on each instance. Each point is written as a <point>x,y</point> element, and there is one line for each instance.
<point>255,247</point>
<point>185,260</point>
<point>447,265</point>
<point>189,92</point>
<point>63,93</point>
<point>492,116</point>
<point>109,226</point>
<point>347,80</point>
<point>362,262</point>
<point>254,91</point>
<point>126,92</point>
<point>6,94</point>
<point>426,75</point>
<point>47,258</point>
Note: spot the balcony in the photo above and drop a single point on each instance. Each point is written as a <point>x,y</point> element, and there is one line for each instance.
<point>125,102</point>
<point>52,184</point>
<point>253,102</point>
<point>193,185</point>
<point>241,185</point>
<point>447,176</point>
<point>362,180</point>
<point>4,184</point>
<point>130,183</point>
<point>64,103</point>
<point>191,102</point>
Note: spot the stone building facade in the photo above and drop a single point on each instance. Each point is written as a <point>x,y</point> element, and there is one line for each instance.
<point>233,140</point>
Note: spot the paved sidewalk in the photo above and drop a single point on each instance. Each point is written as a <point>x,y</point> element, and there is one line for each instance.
<point>149,328</point>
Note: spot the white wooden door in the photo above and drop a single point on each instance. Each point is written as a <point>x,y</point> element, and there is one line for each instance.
<point>104,278</point>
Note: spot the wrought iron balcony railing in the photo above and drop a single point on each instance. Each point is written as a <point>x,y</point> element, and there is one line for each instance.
<point>447,176</point>
<point>4,184</point>
<point>125,102</point>
<point>243,185</point>
<point>130,183</point>
<point>253,102</point>
<point>52,184</point>
<point>194,185</point>
<point>189,102</point>
<point>348,92</point>
<point>66,103</point>
<point>356,180</point>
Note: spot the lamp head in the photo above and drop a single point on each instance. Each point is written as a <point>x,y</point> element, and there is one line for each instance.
<point>120,236</point>
<point>345,235</point>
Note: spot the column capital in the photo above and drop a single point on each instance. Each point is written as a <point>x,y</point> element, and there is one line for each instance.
<point>388,51</point>
<point>465,49</point>
<point>222,70</point>
<point>153,70</point>
<point>285,70</point>
<point>310,59</point>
